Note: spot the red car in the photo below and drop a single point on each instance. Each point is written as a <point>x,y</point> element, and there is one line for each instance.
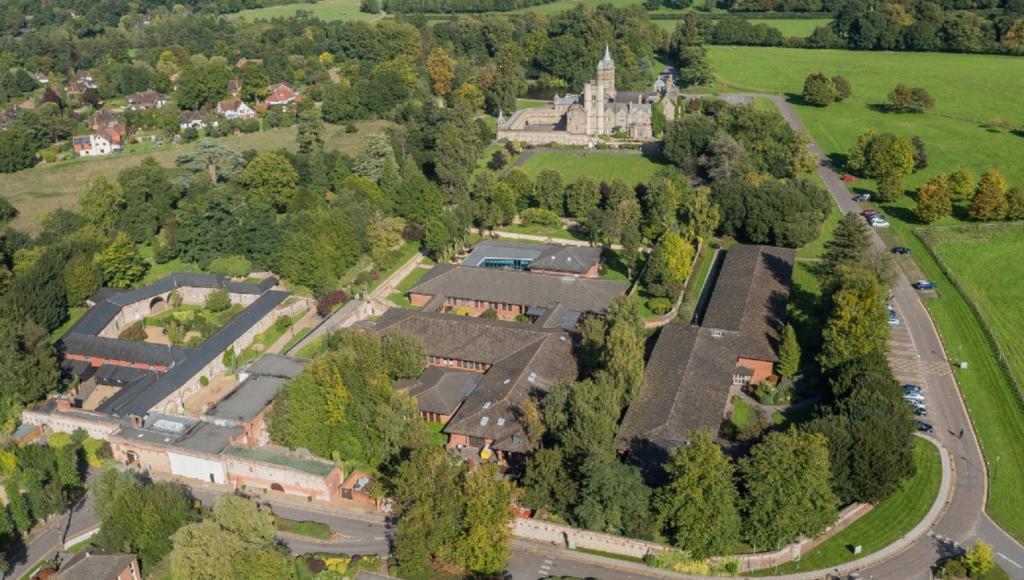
<point>868,213</point>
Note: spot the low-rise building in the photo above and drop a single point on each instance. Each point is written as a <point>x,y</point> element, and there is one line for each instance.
<point>146,100</point>
<point>281,95</point>
<point>95,564</point>
<point>694,370</point>
<point>103,142</point>
<point>555,259</point>
<point>196,120</point>
<point>235,109</point>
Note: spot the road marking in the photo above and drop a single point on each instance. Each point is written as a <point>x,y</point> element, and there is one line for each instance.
<point>1003,556</point>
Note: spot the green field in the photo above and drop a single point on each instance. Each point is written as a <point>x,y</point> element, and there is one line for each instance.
<point>966,128</point>
<point>801,27</point>
<point>324,9</point>
<point>46,187</point>
<point>602,166</point>
<point>881,526</point>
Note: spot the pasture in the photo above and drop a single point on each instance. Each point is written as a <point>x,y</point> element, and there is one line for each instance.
<point>324,9</point>
<point>799,27</point>
<point>46,187</point>
<point>630,167</point>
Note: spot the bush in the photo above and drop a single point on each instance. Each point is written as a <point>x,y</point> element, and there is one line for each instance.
<point>136,331</point>
<point>231,266</point>
<point>659,305</point>
<point>499,159</point>
<point>773,394</point>
<point>203,381</point>
<point>283,322</point>
<point>327,303</point>
<point>678,561</point>
<point>59,440</point>
<point>350,128</point>
<point>218,301</point>
<point>538,216</point>
<point>413,232</point>
<point>489,314</point>
<point>96,450</point>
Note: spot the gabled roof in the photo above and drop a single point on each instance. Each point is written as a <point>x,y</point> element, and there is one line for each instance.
<point>440,390</point>
<point>93,564</point>
<point>510,287</point>
<point>230,105</point>
<point>572,259</point>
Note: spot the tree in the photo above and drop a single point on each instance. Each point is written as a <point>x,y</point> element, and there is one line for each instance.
<point>441,70</point>
<point>660,206</point>
<point>254,82</point>
<point>484,546</point>
<point>849,245</point>
<point>700,215</point>
<point>699,505</point>
<point>962,185</point>
<point>819,90</point>
<point>789,353</point>
<point>455,153</point>
<point>843,88</point>
<point>202,84</point>
<point>885,158</point>
<point>37,293</point>
<point>788,491</point>
<point>979,559</point>
<point>102,204</point>
<point>270,178</point>
<point>614,498</point>
<point>668,266</point>
<point>405,355</point>
<point>548,483</point>
<point>121,264</point>
<point>549,192</point>
<point>507,80</point>
<point>690,52</point>
<point>1015,203</point>
<point>934,200</point>
<point>82,278</point>
<point>16,151</point>
<point>726,158</point>
<point>310,130</point>
<point>376,161</point>
<point>857,324</point>
<point>583,195</point>
<point>142,518</point>
<point>17,507</point>
<point>7,211</point>
<point>989,203</point>
<point>906,99</point>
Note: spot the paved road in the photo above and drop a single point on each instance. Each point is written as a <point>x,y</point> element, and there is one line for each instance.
<point>918,357</point>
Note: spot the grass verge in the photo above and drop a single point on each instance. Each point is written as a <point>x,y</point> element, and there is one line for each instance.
<point>318,530</point>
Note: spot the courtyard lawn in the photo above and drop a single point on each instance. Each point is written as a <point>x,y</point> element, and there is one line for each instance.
<point>632,168</point>
<point>546,231</point>
<point>971,125</point>
<point>399,297</point>
<point>324,10</point>
<point>49,186</point>
<point>881,526</point>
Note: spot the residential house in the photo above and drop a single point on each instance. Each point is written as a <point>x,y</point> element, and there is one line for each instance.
<point>281,95</point>
<point>41,78</point>
<point>235,109</point>
<point>694,370</point>
<point>146,100</point>
<point>196,120</point>
<point>479,372</point>
<point>9,114</point>
<point>81,82</point>
<point>94,564</point>
<point>102,142</point>
<point>552,300</point>
<point>106,119</point>
<point>556,259</point>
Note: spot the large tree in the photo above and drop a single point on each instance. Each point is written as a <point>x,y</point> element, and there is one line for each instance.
<point>990,203</point>
<point>121,264</point>
<point>668,266</point>
<point>934,199</point>
<point>271,179</point>
<point>884,157</point>
<point>699,506</point>
<point>788,489</point>
<point>613,497</point>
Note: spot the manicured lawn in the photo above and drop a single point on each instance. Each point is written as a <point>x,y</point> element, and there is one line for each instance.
<point>47,187</point>
<point>696,283</point>
<point>324,9</point>
<point>436,436</point>
<point>964,130</point>
<point>74,313</point>
<point>801,27</point>
<point>406,253</point>
<point>560,233</point>
<point>314,348</point>
<point>316,530</point>
<point>742,412</point>
<point>881,526</point>
<point>399,297</point>
<point>602,166</point>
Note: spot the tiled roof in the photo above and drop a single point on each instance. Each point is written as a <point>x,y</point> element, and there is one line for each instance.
<point>574,259</point>
<point>93,564</point>
<point>511,287</point>
<point>441,390</point>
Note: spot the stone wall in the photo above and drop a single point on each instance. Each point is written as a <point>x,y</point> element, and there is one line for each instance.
<point>545,137</point>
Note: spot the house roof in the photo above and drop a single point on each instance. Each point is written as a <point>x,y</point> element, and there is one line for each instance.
<point>282,458</point>
<point>689,375</point>
<point>145,353</point>
<point>230,105</point>
<point>276,365</point>
<point>511,287</point>
<point>93,564</point>
<point>440,390</point>
<point>525,361</point>
<point>574,259</point>
<point>146,98</point>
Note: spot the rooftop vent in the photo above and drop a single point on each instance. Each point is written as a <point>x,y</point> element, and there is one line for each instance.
<point>532,377</point>
<point>506,381</point>
<point>501,421</point>
<point>716,333</point>
<point>484,420</point>
<point>487,405</point>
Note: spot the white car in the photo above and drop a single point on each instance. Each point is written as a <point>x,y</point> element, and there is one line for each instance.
<point>879,223</point>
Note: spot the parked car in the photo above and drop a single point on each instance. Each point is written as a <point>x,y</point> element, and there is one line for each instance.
<point>879,223</point>
<point>924,427</point>
<point>894,321</point>
<point>862,197</point>
<point>900,250</point>
<point>924,285</point>
<point>920,411</point>
<point>908,388</point>
<point>914,397</point>
<point>868,213</point>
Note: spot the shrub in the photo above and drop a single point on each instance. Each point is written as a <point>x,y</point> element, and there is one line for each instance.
<point>59,440</point>
<point>96,450</point>
<point>907,99</point>
<point>283,322</point>
<point>203,381</point>
<point>499,159</point>
<point>489,314</point>
<point>218,301</point>
<point>678,561</point>
<point>659,305</point>
<point>350,128</point>
<point>231,266</point>
<point>327,303</point>
<point>136,331</point>
<point>174,299</point>
<point>413,232</point>
<point>819,90</point>
<point>538,216</point>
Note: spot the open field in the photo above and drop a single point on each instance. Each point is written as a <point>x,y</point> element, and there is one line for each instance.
<point>964,129</point>
<point>602,166</point>
<point>47,187</point>
<point>881,526</point>
<point>801,27</point>
<point>324,9</point>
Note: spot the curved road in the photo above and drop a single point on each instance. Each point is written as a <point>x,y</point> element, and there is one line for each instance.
<point>919,357</point>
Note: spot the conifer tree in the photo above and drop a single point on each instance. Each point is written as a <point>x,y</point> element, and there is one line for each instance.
<point>990,203</point>
<point>789,353</point>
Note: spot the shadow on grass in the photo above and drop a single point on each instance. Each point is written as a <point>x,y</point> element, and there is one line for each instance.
<point>837,161</point>
<point>904,214</point>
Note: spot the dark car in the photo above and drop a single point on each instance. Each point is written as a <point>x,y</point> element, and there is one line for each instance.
<point>924,285</point>
<point>862,197</point>
<point>901,250</point>
<point>911,389</point>
<point>924,427</point>
<point>921,411</point>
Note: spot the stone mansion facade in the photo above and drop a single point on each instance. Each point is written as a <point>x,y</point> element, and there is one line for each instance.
<point>599,111</point>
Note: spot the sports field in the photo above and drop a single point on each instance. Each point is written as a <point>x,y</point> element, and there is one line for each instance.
<point>324,9</point>
<point>46,187</point>
<point>971,126</point>
<point>632,168</point>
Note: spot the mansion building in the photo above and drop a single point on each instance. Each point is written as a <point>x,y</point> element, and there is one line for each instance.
<point>599,111</point>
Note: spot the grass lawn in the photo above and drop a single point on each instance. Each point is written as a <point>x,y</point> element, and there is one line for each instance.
<point>964,130</point>
<point>46,187</point>
<point>436,436</point>
<point>318,530</point>
<point>549,232</point>
<point>324,9</point>
<point>314,348</point>
<point>399,297</point>
<point>801,27</point>
<point>883,525</point>
<point>696,283</point>
<point>742,412</point>
<point>404,254</point>
<point>602,166</point>
<point>295,339</point>
<point>74,313</point>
